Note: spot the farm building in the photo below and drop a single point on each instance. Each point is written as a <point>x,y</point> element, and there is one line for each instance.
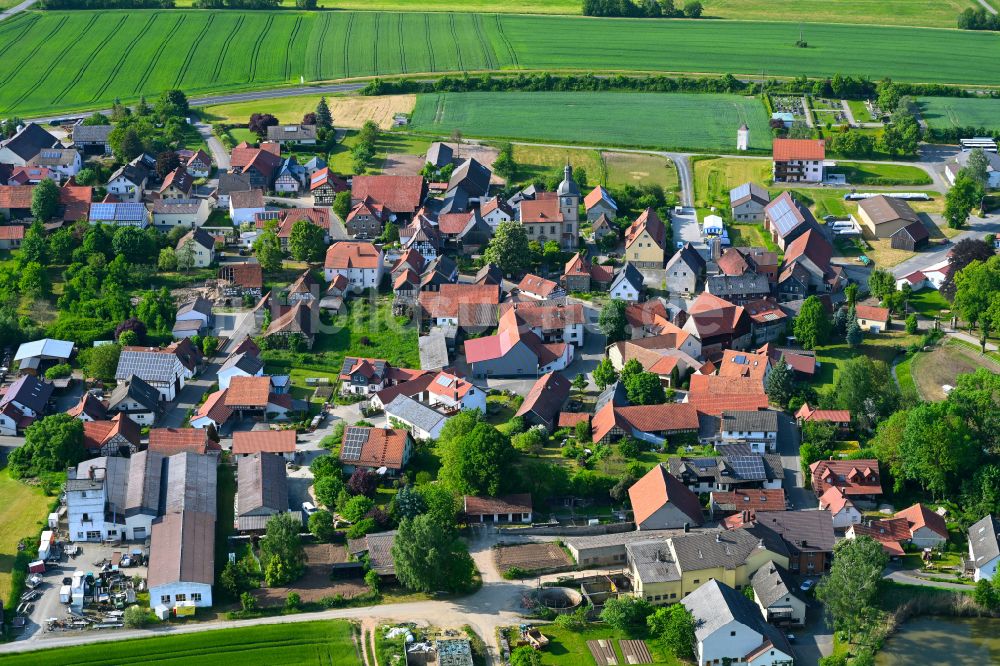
<point>262,490</point>
<point>872,319</point>
<point>507,509</point>
<point>882,216</point>
<point>911,238</point>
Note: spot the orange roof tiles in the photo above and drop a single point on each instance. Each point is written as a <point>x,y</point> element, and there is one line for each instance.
<point>798,149</point>
<point>384,447</point>
<point>400,194</point>
<point>649,222</point>
<point>872,313</point>
<point>537,285</point>
<point>541,211</point>
<point>743,364</point>
<point>351,254</point>
<point>248,391</point>
<point>657,488</point>
<point>853,477</point>
<point>266,441</point>
<point>713,394</point>
<point>178,440</point>
<point>919,516</point>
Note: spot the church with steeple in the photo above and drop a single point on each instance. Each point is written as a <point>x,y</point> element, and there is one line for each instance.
<point>554,216</point>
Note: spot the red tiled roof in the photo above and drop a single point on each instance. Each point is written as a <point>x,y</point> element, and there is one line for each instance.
<point>96,433</point>
<point>919,516</point>
<point>807,413</point>
<point>248,391</point>
<point>657,488</point>
<point>652,224</point>
<point>214,408</point>
<point>488,506</point>
<point>570,419</point>
<point>813,246</point>
<point>384,447</point>
<point>324,177</point>
<point>11,232</point>
<point>537,285</point>
<point>248,276</point>
<point>269,441</point>
<point>751,500</point>
<point>798,149</point>
<point>891,533</point>
<point>732,262</point>
<point>178,440</point>
<point>16,196</point>
<point>543,316</point>
<point>713,395</point>
<point>834,501</point>
<point>352,254</point>
<point>448,300</point>
<point>546,397</point>
<point>673,417</point>
<point>872,313</point>
<point>541,211</point>
<point>853,477</point>
<point>318,216</point>
<point>743,364</point>
<point>453,223</point>
<point>76,201</point>
<point>400,194</point>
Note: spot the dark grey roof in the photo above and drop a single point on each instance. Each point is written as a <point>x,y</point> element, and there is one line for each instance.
<point>690,257</point>
<point>176,207</point>
<point>91,133</point>
<point>142,494</point>
<point>984,540</point>
<point>748,283</point>
<point>527,193</point>
<point>30,141</point>
<point>232,182</point>
<point>568,186</point>
<point>149,365</point>
<point>190,483</point>
<point>244,361</point>
<point>615,393</point>
<point>134,172</point>
<point>417,414</point>
<point>29,391</point>
<point>772,582</point>
<point>379,549</point>
<point>291,133</point>
<point>764,420</point>
<point>725,548</point>
<point>262,483</point>
<point>472,177</point>
<point>137,389</point>
<point>653,561</point>
<point>631,274</point>
<point>456,200</point>
<point>199,304</point>
<point>489,274</point>
<point>433,351</point>
<point>801,530</point>
<point>439,154</point>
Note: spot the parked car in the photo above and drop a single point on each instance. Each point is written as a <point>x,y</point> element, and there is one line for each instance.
<point>807,585</point>
<point>308,508</point>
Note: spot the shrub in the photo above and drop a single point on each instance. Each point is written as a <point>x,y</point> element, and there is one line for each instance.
<point>136,617</point>
<point>248,602</point>
<point>293,601</point>
<point>513,573</point>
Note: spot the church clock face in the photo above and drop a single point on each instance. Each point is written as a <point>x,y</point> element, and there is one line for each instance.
<point>567,201</point>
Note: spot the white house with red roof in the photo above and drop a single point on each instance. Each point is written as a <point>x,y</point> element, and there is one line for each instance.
<point>798,160</point>
<point>840,505</point>
<point>515,351</point>
<point>539,288</point>
<point>360,262</point>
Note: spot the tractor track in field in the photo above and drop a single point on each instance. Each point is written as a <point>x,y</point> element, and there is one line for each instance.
<point>52,65</point>
<point>454,36</point>
<point>378,18</point>
<point>318,73</point>
<point>430,42</point>
<point>31,54</point>
<point>488,55</point>
<point>347,47</point>
<point>121,61</point>
<point>402,43</point>
<point>159,51</point>
<point>288,47</point>
<point>257,45</point>
<point>90,59</point>
<point>220,60</point>
<point>195,43</point>
<point>12,26</point>
<point>506,42</point>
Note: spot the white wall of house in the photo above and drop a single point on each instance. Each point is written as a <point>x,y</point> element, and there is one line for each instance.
<point>169,595</point>
<point>225,376</point>
<point>361,278</point>
<point>987,570</point>
<point>560,363</point>
<point>846,517</point>
<point>927,538</point>
<point>242,215</point>
<point>779,609</point>
<point>125,189</point>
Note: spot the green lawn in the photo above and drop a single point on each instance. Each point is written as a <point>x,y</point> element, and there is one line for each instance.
<point>752,235</point>
<point>243,134</point>
<point>193,50</point>
<point>882,174</point>
<point>22,514</point>
<point>569,648</point>
<point>945,112</point>
<point>654,120</point>
<point>860,111</point>
<point>321,643</point>
<point>635,169</point>
<point>883,347</point>
<point>904,374</point>
<point>364,330</point>
<point>714,178</point>
<point>928,302</point>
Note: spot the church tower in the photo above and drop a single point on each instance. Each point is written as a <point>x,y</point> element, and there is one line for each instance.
<point>569,206</point>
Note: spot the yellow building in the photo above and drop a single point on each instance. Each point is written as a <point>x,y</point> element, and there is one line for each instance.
<point>645,241</point>
<point>665,570</point>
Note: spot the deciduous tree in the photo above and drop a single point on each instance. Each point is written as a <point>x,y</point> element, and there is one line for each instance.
<point>508,248</point>
<point>604,374</point>
<point>51,444</point>
<point>306,241</point>
<point>612,321</point>
<point>812,325</point>
<point>45,200</point>
<point>428,557</point>
<point>849,591</point>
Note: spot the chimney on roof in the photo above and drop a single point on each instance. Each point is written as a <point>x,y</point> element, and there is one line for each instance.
<point>718,538</point>
<point>687,528</point>
<point>760,543</point>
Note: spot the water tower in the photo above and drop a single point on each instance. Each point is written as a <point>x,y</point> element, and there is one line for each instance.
<point>743,137</point>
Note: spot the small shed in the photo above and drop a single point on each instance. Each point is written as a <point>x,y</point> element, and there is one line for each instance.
<point>911,238</point>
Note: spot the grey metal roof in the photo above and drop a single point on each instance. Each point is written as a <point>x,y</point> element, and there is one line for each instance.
<point>715,604</point>
<point>764,420</point>
<point>46,347</point>
<point>379,549</point>
<point>176,206</point>
<point>198,304</point>
<point>142,493</point>
<point>182,549</point>
<point>615,393</point>
<point>190,483</point>
<point>417,414</point>
<point>232,182</point>
<point>244,361</point>
<point>631,274</point>
<point>619,538</point>
<point>91,133</point>
<point>30,141</point>
<point>984,540</point>
<point>568,186</point>
<point>472,177</point>
<point>262,483</point>
<point>801,530</point>
<point>439,154</point>
<point>148,365</point>
<point>292,133</point>
<point>433,351</point>
<point>137,389</point>
<point>740,193</point>
<point>772,582</point>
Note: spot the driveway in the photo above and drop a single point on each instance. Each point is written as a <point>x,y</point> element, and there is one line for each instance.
<point>815,639</point>
<point>190,396</point>
<point>799,496</point>
<point>686,228</point>
<point>978,228</point>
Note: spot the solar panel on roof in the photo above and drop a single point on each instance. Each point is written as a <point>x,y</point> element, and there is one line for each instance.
<point>443,380</point>
<point>748,467</point>
<point>354,439</point>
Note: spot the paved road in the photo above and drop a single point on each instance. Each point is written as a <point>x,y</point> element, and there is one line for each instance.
<point>25,5</point>
<point>190,396</point>
<point>788,448</point>
<point>219,153</point>
<point>978,228</point>
<point>909,579</point>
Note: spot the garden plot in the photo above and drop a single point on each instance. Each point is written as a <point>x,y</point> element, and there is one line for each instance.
<point>532,557</point>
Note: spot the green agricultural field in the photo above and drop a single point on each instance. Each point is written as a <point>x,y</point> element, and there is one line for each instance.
<point>321,643</point>
<point>653,120</point>
<point>22,514</point>
<point>54,61</point>
<point>945,112</point>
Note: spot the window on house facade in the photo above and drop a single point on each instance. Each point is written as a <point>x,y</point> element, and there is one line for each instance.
<point>165,599</point>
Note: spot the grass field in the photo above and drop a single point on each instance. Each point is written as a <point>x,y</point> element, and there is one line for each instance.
<point>939,14</point>
<point>883,347</point>
<point>928,302</point>
<point>882,174</point>
<point>653,120</point>
<point>321,643</point>
<point>349,112</point>
<point>714,178</point>
<point>47,66</point>
<point>945,112</point>
<point>932,370</point>
<point>22,514</point>
<point>569,648</point>
<point>635,168</point>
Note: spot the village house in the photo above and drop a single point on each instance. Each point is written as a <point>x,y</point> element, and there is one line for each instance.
<point>118,436</point>
<point>11,236</point>
<point>89,408</point>
<point>984,548</point>
<point>129,182</point>
<point>229,183</point>
<point>729,628</point>
<point>504,509</point>
<point>739,507</point>
<point>881,216</point>
<point>386,450</point>
<point>61,163</point>
<point>651,424</point>
<point>840,507</point>
<point>777,596</point>
<point>470,307</point>
<point>242,364</point>
<point>604,226</point>
<point>242,279</point>
<point>213,412</point>
<point>785,219</point>
<point>261,491</point>
<point>26,400</point>
<point>188,213</point>
<point>422,421</point>
<point>324,185</point>
<point>758,428</point>
<point>627,284</point>
<point>289,178</point>
<point>137,399</point>
<point>277,442</point>
<point>738,289</point>
<point>288,217</point>
<point>646,241</point>
<point>719,325</point>
<point>857,479</point>
<point>421,236</point>
<point>494,211</point>
<point>539,288</point>
<point>292,135</point>
<point>400,196</point>
<point>259,164</point>
<point>92,139</point>
<point>768,321</point>
<point>712,394</point>
<point>366,376</point>
<point>872,319</point>
<point>193,317</point>
<point>798,160</point>
<point>807,268</point>
<point>178,184</point>
<point>295,320</point>
<point>244,206</point>
<point>201,246</point>
<point>808,536</point>
<point>169,441</point>
<point>684,271</point>
<point>466,232</point>
<point>550,321</point>
<point>199,164</point>
<point>747,202</point>
<point>839,417</point>
<point>119,214</point>
<point>927,529</point>
<point>359,262</point>
<point>27,142</point>
<point>599,202</point>
<point>514,351</point>
<point>544,401</point>
<point>738,261</point>
<point>159,368</point>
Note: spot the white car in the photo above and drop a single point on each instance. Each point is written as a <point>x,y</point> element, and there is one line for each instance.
<point>807,585</point>
<point>308,508</point>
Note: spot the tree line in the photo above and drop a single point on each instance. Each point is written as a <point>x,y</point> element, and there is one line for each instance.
<point>978,19</point>
<point>642,9</point>
<point>106,4</point>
